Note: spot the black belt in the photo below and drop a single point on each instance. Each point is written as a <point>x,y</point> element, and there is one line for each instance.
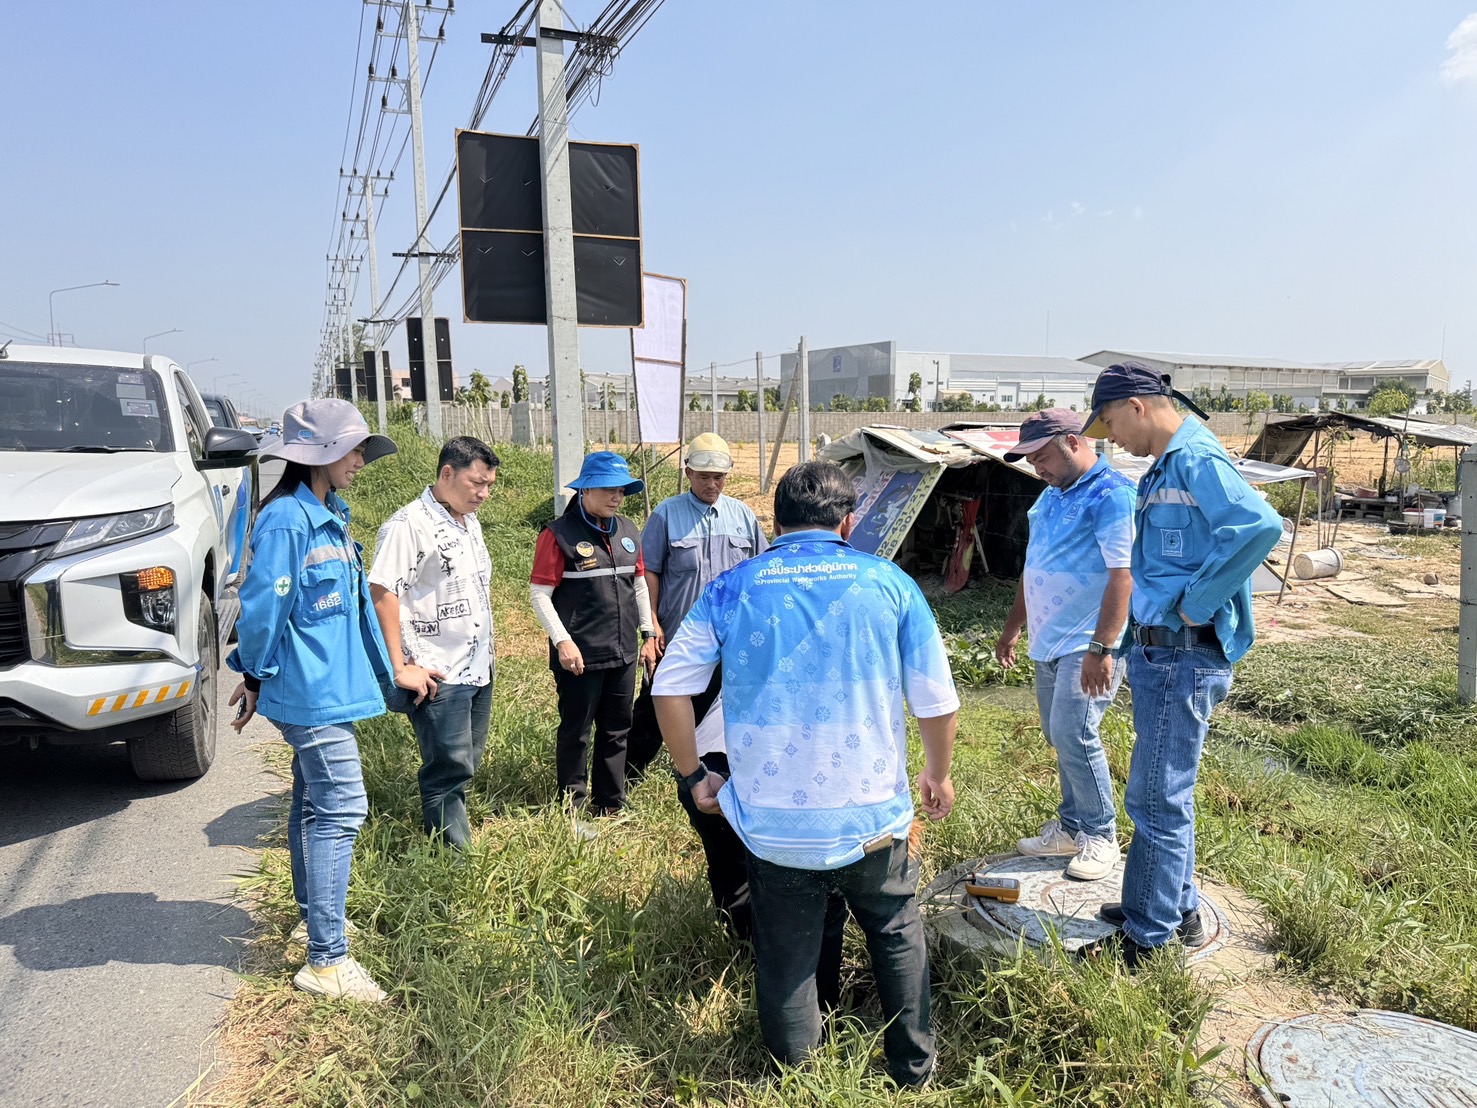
<point>1183,637</point>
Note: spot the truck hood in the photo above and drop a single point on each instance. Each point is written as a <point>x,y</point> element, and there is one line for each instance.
<point>44,486</point>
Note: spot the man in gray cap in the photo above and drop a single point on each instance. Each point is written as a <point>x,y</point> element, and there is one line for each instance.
<point>1074,596</point>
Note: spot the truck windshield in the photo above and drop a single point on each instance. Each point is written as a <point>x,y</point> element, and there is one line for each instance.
<point>81,408</point>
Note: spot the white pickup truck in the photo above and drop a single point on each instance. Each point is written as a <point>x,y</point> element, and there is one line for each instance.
<point>124,517</point>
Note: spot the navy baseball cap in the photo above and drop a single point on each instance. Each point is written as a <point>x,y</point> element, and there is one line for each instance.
<point>1125,379</point>
<point>1039,428</point>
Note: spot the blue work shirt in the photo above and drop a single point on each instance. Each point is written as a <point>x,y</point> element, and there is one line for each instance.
<point>307,628</point>
<point>1202,531</point>
<point>819,644</point>
<point>687,543</point>
<point>1077,534</point>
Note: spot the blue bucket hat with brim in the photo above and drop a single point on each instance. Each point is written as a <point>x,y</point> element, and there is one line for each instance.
<point>606,469</point>
<point>1125,379</point>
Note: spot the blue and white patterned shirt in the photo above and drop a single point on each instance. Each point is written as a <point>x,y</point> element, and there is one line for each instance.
<point>1077,535</point>
<point>819,644</point>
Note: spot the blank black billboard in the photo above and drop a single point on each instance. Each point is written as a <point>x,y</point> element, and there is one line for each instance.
<point>500,188</point>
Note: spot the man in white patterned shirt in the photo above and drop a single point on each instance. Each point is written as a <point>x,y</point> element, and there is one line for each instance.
<point>430,586</point>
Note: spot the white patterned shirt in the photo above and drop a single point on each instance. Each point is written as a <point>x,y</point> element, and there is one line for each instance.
<point>439,569</point>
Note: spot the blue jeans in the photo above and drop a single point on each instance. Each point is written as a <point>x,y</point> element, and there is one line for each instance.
<point>1070,719</point>
<point>451,729</point>
<point>1174,691</point>
<point>328,807</point>
<point>798,918</point>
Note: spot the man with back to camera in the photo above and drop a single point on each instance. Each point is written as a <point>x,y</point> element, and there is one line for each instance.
<point>431,586</point>
<point>1074,591</point>
<point>589,594</point>
<point>1201,532</point>
<point>688,541</point>
<point>819,645</point>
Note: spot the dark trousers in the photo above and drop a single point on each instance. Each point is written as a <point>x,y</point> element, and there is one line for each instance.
<point>728,873</point>
<point>601,697</point>
<point>451,730</point>
<point>792,916</point>
<point>645,742</point>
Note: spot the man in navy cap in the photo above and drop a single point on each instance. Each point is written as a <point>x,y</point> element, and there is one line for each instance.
<point>1201,531</point>
<point>1074,594</point>
<point>589,593</point>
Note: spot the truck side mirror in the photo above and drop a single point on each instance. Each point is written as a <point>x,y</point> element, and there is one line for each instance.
<point>228,448</point>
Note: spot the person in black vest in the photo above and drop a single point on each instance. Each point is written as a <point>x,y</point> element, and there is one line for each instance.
<point>589,593</point>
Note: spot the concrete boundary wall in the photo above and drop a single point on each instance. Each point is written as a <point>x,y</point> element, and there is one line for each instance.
<point>497,424</point>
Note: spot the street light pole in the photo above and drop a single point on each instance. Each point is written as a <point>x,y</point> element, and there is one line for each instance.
<point>52,338</point>
<point>157,334</point>
<point>200,361</point>
<point>215,383</point>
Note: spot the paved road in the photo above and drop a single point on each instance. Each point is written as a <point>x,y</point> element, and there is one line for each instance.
<point>118,935</point>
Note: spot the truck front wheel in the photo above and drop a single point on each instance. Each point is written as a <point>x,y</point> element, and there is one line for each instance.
<point>181,745</point>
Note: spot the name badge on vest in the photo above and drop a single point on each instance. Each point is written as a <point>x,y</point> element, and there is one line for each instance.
<point>588,563</point>
<point>584,549</point>
<point>629,545</point>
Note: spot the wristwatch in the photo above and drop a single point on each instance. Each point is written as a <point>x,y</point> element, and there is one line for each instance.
<point>645,635</point>
<point>691,779</point>
<point>1096,647</point>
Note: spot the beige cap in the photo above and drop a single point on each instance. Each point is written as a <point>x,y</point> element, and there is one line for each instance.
<point>708,453</point>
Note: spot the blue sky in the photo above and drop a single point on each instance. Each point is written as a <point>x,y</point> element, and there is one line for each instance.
<point>1265,179</point>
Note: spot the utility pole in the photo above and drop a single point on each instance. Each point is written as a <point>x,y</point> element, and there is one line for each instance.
<point>1466,658</point>
<point>713,393</point>
<point>567,400</point>
<point>802,367</point>
<point>759,383</point>
<point>367,186</point>
<point>421,248</point>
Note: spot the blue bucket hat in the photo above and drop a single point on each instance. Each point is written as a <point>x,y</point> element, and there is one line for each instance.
<point>606,469</point>
<point>1125,379</point>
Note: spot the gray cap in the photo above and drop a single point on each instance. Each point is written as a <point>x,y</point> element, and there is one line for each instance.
<point>320,432</point>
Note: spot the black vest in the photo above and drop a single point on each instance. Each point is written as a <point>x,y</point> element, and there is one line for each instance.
<point>596,599</point>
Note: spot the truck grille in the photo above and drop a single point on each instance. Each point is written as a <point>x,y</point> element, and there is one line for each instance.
<point>13,647</point>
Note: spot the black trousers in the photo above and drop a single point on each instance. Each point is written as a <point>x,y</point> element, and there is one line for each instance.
<point>646,737</point>
<point>728,876</point>
<point>601,697</point>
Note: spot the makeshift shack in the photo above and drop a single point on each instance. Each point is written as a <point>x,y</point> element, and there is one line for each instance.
<point>948,503</point>
<point>1286,442</point>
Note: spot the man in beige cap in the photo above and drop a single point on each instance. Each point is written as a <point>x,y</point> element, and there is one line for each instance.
<point>689,540</point>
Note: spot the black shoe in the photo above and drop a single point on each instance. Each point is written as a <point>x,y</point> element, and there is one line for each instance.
<point>1129,954</point>
<point>1191,931</point>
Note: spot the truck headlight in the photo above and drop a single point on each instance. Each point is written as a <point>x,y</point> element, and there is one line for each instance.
<point>105,530</point>
<point>149,598</point>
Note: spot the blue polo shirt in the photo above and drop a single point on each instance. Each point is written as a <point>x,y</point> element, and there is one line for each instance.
<point>1077,535</point>
<point>820,644</point>
<point>687,543</point>
<point>1202,531</point>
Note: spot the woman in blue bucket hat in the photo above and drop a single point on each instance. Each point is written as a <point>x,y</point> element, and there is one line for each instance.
<point>589,592</point>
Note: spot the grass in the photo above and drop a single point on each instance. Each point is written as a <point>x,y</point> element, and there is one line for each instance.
<point>536,969</point>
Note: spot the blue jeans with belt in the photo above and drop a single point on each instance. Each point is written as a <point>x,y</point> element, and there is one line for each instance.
<point>328,807</point>
<point>1175,689</point>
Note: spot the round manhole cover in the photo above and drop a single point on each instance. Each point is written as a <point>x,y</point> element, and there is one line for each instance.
<point>1050,900</point>
<point>1368,1057</point>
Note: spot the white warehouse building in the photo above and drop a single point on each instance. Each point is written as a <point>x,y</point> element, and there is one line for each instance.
<point>880,369</point>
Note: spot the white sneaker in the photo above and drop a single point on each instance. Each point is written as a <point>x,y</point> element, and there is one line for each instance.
<point>300,932</point>
<point>1095,858</point>
<point>346,981</point>
<point>1051,842</point>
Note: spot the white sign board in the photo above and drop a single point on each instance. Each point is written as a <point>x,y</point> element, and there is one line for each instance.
<point>657,357</point>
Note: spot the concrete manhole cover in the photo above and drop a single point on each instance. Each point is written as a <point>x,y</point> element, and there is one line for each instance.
<point>1050,900</point>
<point>1368,1057</point>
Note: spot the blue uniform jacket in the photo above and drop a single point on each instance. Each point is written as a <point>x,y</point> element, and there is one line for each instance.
<point>307,628</point>
<point>1201,532</point>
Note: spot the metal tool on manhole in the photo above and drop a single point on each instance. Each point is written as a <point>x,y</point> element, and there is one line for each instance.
<point>1366,1057</point>
<point>1051,900</point>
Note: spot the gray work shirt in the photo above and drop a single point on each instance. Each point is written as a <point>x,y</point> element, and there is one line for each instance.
<point>687,543</point>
